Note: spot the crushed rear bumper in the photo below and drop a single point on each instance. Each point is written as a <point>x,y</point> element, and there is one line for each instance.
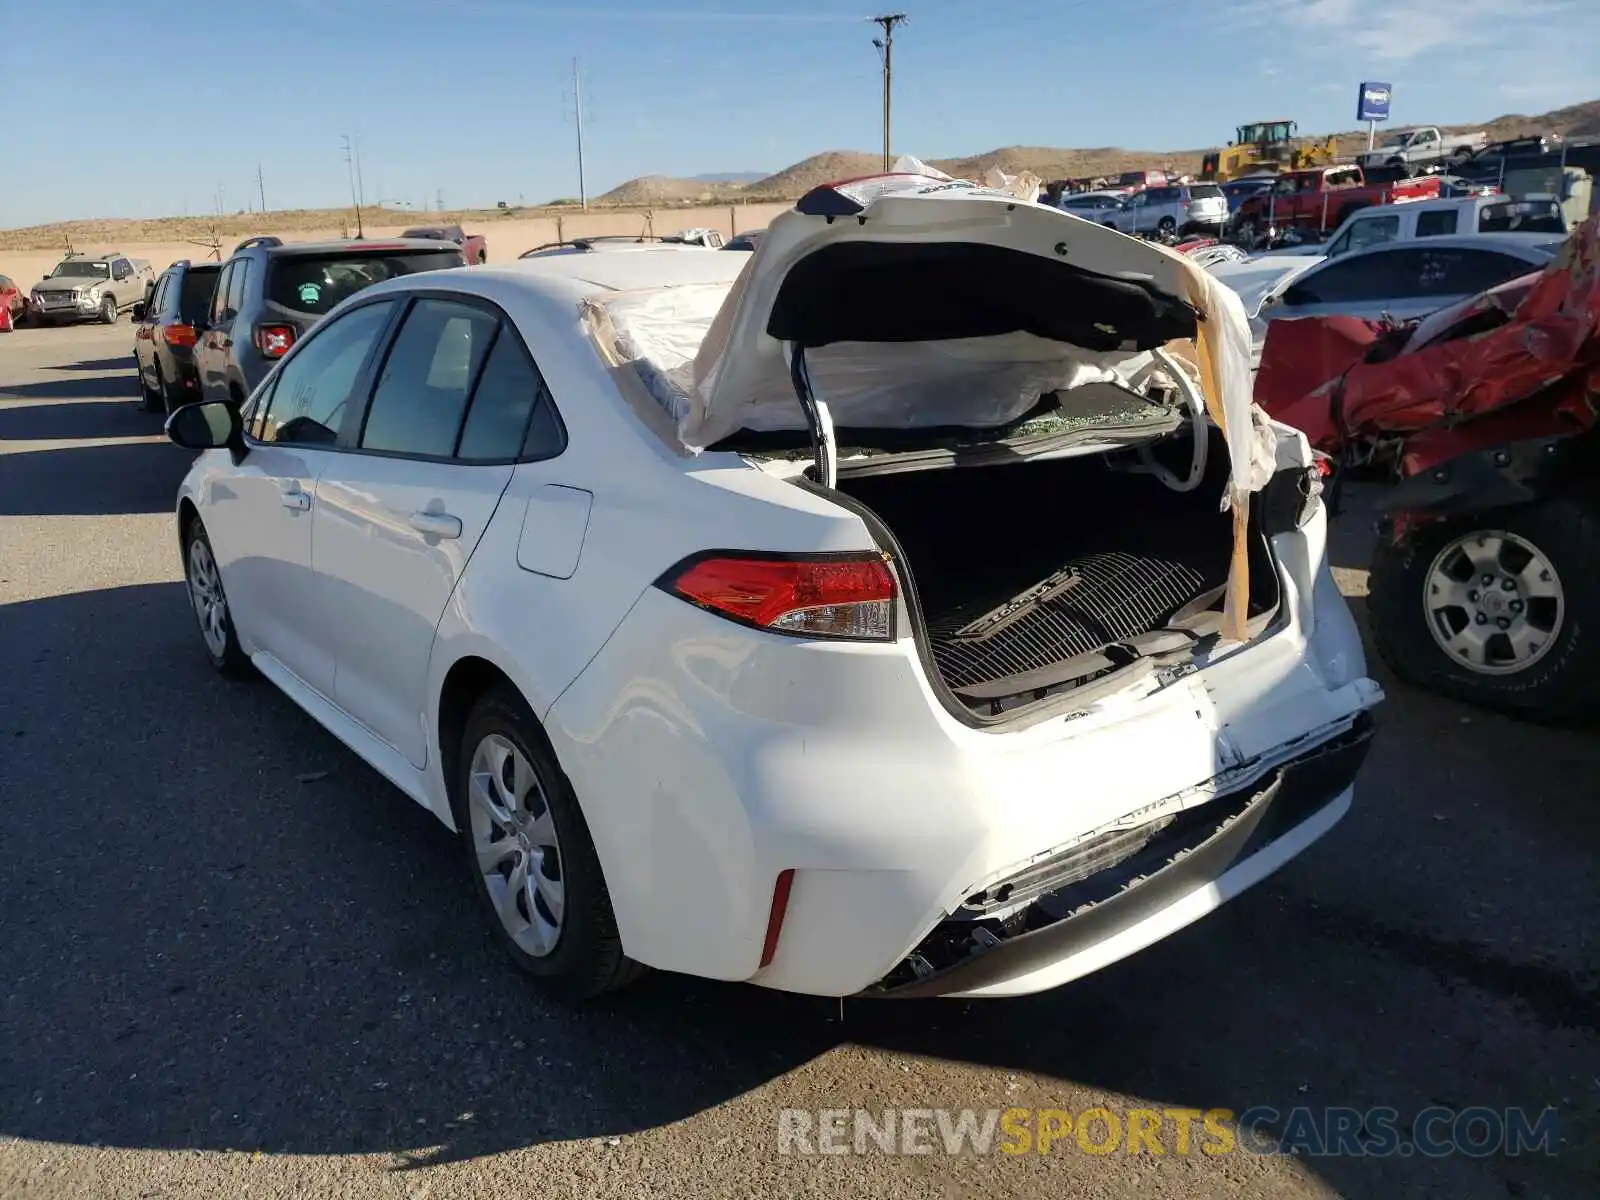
<point>1188,867</point>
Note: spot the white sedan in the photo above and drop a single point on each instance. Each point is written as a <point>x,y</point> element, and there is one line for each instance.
<point>856,616</point>
<point>1408,279</point>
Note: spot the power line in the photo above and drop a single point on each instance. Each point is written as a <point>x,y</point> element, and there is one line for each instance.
<point>885,46</point>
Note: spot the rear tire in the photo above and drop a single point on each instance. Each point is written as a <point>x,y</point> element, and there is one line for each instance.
<point>151,396</point>
<point>1414,617</point>
<point>1166,228</point>
<point>528,850</point>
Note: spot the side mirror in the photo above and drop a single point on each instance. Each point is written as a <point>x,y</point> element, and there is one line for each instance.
<point>209,425</point>
<point>44,277</point>
<point>138,310</point>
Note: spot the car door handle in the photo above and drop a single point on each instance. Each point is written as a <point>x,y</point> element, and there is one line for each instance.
<point>293,497</point>
<point>436,524</point>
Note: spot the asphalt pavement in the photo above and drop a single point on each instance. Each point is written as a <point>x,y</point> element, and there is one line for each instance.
<point>234,961</point>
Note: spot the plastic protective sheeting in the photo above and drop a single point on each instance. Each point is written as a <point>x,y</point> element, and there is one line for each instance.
<point>1533,342</point>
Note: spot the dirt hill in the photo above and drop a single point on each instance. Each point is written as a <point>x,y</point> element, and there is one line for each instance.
<point>666,189</point>
<point>1577,121</point>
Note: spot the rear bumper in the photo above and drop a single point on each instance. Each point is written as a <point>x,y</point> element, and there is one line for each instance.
<point>1194,865</point>
<point>709,760</point>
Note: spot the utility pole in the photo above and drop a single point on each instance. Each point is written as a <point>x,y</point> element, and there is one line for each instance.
<point>577,111</point>
<point>885,46</point>
<point>355,196</point>
<point>261,187</point>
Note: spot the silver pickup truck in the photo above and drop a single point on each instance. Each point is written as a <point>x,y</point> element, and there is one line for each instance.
<point>90,287</point>
<point>1424,144</point>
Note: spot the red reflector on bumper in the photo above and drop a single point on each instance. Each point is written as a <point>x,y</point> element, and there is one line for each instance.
<point>780,906</point>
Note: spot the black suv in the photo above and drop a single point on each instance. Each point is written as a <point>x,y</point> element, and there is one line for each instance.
<point>165,327</point>
<point>269,295</point>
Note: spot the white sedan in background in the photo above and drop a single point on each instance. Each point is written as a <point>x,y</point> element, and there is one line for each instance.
<point>1411,279</point>
<point>717,670</point>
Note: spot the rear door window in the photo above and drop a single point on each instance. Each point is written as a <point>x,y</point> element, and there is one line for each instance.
<point>314,283</point>
<point>314,387</point>
<point>512,414</point>
<point>421,396</point>
<point>1439,222</point>
<point>1458,271</point>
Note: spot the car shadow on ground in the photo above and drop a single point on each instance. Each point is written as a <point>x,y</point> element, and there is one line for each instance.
<point>78,419</point>
<point>132,477</point>
<point>79,387</point>
<point>224,931</point>
<point>121,363</point>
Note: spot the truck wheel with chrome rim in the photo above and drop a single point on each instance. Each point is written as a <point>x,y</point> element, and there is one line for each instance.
<point>210,603</point>
<point>108,311</point>
<point>1501,609</point>
<point>528,849</point>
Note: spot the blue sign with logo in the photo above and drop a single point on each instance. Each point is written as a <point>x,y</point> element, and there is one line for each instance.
<point>1373,102</point>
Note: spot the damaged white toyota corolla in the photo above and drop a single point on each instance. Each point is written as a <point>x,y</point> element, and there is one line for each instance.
<point>915,607</point>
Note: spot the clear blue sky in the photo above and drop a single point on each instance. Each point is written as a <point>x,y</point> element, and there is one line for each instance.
<point>120,108</point>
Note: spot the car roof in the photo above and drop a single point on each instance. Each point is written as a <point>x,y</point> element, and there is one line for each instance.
<point>1527,245</point>
<point>351,245</point>
<point>572,278</point>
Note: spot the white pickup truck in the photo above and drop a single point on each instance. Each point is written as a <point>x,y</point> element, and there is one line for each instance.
<point>1540,219</point>
<point>1424,144</point>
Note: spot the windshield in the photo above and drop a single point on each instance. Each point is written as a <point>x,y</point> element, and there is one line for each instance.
<point>437,235</point>
<point>80,268</point>
<point>314,283</point>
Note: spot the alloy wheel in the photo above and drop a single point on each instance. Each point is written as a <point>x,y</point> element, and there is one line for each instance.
<point>1493,602</point>
<point>205,592</point>
<point>515,842</point>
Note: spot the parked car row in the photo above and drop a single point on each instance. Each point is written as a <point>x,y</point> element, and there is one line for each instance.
<point>213,331</point>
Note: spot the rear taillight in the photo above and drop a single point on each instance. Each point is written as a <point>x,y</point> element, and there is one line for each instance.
<point>178,334</point>
<point>274,340</point>
<point>833,596</point>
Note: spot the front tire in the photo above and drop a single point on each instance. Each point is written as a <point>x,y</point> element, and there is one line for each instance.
<point>533,864</point>
<point>210,603</point>
<point>1500,609</point>
<point>108,311</point>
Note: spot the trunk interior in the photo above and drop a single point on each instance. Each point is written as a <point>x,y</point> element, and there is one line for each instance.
<point>1036,579</point>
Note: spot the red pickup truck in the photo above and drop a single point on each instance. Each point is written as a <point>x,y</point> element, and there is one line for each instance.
<point>1317,201</point>
<point>474,247</point>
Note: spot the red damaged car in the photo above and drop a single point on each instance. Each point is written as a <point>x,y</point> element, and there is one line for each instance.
<point>1486,583</point>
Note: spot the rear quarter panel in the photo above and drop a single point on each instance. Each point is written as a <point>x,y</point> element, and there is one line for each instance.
<point>651,507</point>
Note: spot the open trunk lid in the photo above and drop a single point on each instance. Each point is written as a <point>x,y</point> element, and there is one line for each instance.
<point>908,302</point>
